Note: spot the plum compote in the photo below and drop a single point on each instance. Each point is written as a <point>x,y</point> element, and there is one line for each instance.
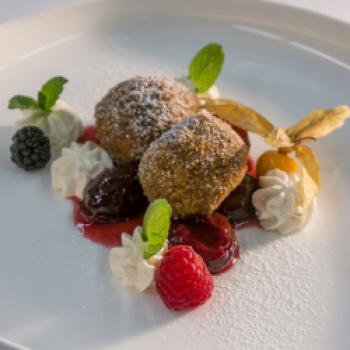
<point>114,195</point>
<point>212,237</point>
<point>238,206</point>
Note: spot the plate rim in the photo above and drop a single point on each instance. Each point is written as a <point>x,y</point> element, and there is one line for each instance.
<point>27,22</point>
<point>334,34</point>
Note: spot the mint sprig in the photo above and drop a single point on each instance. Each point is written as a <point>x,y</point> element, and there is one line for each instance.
<point>47,97</point>
<point>156,225</point>
<point>206,66</point>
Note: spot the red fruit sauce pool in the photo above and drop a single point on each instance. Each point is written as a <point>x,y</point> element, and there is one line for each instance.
<point>251,167</point>
<point>109,235</point>
<point>212,237</point>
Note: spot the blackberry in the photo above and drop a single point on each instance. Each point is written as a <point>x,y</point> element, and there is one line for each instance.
<point>30,148</point>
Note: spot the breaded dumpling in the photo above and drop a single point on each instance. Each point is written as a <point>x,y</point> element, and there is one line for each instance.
<point>137,111</point>
<point>195,165</point>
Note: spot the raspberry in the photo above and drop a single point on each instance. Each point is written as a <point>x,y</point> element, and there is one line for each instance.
<point>182,279</point>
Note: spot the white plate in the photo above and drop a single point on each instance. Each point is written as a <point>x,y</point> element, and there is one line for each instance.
<point>285,292</point>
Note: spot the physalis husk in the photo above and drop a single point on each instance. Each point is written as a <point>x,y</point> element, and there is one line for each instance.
<point>314,126</point>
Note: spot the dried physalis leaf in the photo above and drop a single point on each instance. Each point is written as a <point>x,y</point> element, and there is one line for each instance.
<point>305,122</point>
<point>307,190</point>
<point>238,114</point>
<point>309,162</point>
<point>319,123</point>
<point>278,138</point>
<point>314,126</point>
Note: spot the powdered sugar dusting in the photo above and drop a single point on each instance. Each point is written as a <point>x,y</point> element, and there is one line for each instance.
<point>271,294</point>
<point>269,300</point>
<point>138,110</point>
<point>194,165</point>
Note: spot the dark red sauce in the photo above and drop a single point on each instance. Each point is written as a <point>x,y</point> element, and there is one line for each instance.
<point>238,206</point>
<point>253,223</point>
<point>108,235</point>
<point>213,236</point>
<point>251,167</point>
<point>113,196</point>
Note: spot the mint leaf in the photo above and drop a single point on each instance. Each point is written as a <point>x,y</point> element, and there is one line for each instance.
<point>42,101</point>
<point>156,225</point>
<point>50,92</point>
<point>206,66</point>
<point>22,102</point>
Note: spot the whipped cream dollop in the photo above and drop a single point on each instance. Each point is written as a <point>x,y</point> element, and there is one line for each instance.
<point>276,203</point>
<point>213,91</point>
<point>62,126</point>
<point>127,262</point>
<point>78,164</point>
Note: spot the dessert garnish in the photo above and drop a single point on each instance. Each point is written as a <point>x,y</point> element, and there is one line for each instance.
<point>78,164</point>
<point>272,159</point>
<point>277,202</point>
<point>30,148</point>
<point>195,165</point>
<point>206,66</point>
<point>46,99</point>
<point>58,120</point>
<point>156,226</point>
<point>128,264</point>
<point>182,279</point>
<point>203,71</point>
<point>289,141</point>
<point>134,263</point>
<point>114,195</point>
<point>211,236</point>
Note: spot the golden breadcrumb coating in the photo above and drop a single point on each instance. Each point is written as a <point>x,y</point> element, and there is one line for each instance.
<point>195,165</point>
<point>137,111</point>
